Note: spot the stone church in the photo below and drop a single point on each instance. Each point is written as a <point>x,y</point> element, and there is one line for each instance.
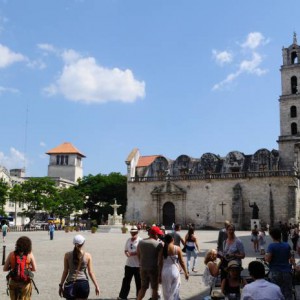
<point>210,189</point>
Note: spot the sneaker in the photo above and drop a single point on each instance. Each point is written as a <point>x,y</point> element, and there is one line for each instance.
<point>194,270</point>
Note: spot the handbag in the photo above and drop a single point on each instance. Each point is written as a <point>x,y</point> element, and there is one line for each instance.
<point>184,249</point>
<point>69,287</point>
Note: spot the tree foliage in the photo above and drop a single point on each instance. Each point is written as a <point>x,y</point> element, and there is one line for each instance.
<point>4,188</point>
<point>101,191</point>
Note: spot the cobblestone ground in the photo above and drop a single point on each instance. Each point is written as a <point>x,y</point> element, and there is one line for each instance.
<point>108,261</point>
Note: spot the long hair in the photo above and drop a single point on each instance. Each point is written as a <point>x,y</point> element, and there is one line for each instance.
<point>77,254</point>
<point>168,240</point>
<point>190,232</point>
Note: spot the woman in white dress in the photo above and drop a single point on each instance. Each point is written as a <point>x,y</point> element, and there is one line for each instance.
<point>170,264</point>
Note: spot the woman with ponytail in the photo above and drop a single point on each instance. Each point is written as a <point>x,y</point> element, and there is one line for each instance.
<point>170,264</point>
<point>76,263</point>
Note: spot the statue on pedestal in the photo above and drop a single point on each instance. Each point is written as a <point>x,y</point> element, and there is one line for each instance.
<point>255,210</point>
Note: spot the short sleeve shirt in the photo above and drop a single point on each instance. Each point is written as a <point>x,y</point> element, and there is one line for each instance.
<point>131,246</point>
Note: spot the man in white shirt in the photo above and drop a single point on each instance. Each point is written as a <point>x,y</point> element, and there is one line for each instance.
<point>260,289</point>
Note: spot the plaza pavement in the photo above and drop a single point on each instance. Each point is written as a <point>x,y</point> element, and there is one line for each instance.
<point>108,261</point>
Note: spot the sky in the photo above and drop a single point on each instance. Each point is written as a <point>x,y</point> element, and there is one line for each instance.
<point>167,77</point>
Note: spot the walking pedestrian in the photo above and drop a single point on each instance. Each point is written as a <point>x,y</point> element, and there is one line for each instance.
<point>176,235</point>
<point>148,252</point>
<point>17,262</point>
<point>192,249</point>
<point>75,264</point>
<point>51,230</point>
<point>170,262</point>
<point>132,266</point>
<point>5,229</point>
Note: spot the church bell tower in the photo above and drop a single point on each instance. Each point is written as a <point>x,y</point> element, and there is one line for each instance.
<point>289,139</point>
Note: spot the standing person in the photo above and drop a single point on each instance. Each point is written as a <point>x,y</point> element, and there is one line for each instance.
<point>294,232</point>
<point>176,235</point>
<point>148,252</point>
<point>4,230</point>
<point>192,249</point>
<point>75,264</point>
<point>262,240</point>
<point>254,238</point>
<point>169,270</point>
<point>279,257</point>
<point>19,283</point>
<point>260,289</point>
<point>222,236</point>
<point>233,250</point>
<point>51,230</point>
<point>132,266</point>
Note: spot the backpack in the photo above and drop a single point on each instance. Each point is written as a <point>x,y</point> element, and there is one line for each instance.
<point>19,268</point>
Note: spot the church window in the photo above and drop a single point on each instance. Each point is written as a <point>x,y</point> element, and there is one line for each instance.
<point>294,128</point>
<point>293,111</point>
<point>294,85</point>
<point>294,58</point>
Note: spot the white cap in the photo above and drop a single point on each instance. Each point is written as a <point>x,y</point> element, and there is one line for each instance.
<point>78,239</point>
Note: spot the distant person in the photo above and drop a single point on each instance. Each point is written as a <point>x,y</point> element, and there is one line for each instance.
<point>279,258</point>
<point>51,230</point>
<point>132,266</point>
<point>254,238</point>
<point>148,252</point>
<point>222,236</point>
<point>192,249</point>
<point>21,263</point>
<point>262,241</point>
<point>171,262</point>
<point>176,235</point>
<point>5,229</point>
<point>260,289</point>
<point>76,262</point>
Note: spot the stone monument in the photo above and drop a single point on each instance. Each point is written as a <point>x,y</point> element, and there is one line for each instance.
<point>114,222</point>
<point>255,215</point>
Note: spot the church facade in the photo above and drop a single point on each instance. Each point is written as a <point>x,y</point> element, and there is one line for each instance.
<point>210,189</point>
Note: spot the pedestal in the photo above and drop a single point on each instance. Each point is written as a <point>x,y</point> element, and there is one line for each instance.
<point>255,222</point>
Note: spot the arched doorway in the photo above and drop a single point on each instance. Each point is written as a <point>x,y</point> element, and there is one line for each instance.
<point>168,214</point>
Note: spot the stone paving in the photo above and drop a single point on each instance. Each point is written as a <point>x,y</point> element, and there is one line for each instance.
<point>108,261</point>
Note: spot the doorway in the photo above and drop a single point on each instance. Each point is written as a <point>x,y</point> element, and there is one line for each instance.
<point>168,214</point>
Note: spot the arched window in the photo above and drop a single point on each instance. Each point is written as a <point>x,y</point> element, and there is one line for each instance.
<point>294,128</point>
<point>294,85</point>
<point>294,58</point>
<point>293,111</point>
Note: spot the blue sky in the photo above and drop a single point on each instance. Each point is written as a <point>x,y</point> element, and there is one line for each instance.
<point>167,77</point>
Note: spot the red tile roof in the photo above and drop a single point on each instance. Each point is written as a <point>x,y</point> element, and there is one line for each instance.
<point>65,148</point>
<point>145,161</point>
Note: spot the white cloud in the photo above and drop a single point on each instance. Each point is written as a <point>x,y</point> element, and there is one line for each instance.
<point>222,57</point>
<point>8,57</point>
<point>47,48</point>
<point>14,160</point>
<point>42,144</point>
<point>254,40</point>
<point>83,80</point>
<point>247,65</point>
<point>8,90</point>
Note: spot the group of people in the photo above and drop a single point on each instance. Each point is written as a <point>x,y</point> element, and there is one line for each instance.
<point>279,258</point>
<point>20,265</point>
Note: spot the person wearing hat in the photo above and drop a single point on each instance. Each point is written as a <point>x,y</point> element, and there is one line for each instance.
<point>132,265</point>
<point>234,282</point>
<point>148,252</point>
<point>75,264</point>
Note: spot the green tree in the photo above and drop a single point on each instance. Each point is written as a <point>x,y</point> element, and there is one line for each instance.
<point>101,191</point>
<point>39,194</point>
<point>69,200</point>
<point>4,188</point>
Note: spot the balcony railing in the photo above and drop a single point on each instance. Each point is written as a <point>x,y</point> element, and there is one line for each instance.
<point>220,176</point>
